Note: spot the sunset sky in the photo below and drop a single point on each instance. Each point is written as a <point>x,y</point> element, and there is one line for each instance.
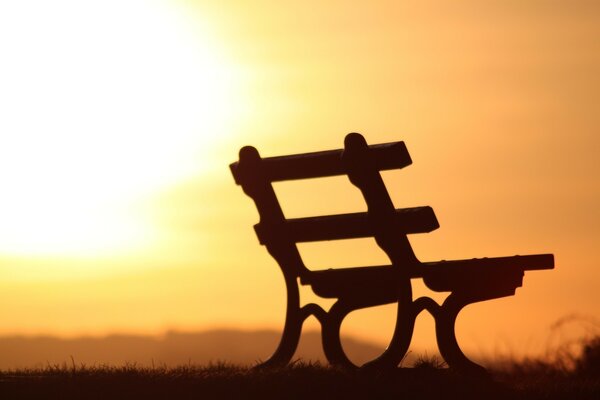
<point>118,120</point>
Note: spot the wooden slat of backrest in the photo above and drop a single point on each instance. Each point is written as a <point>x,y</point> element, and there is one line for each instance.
<point>327,163</point>
<point>349,226</point>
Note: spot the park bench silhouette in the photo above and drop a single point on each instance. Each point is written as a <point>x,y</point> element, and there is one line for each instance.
<point>468,281</point>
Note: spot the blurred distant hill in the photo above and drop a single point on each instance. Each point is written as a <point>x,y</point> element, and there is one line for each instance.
<point>171,349</point>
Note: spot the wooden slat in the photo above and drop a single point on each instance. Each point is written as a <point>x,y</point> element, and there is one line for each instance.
<point>349,226</point>
<point>327,163</point>
<point>486,277</point>
<point>527,262</point>
<point>483,278</point>
<point>375,285</point>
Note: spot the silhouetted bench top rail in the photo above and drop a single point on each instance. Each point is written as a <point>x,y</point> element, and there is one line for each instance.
<point>468,280</point>
<point>321,164</point>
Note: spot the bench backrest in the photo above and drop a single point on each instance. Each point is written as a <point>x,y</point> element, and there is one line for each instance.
<point>362,164</point>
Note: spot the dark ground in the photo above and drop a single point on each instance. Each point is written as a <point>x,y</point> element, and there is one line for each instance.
<point>299,381</point>
<point>576,379</point>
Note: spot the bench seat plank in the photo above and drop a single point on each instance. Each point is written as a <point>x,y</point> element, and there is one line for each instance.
<point>349,226</point>
<point>527,262</point>
<point>482,274</point>
<point>375,284</point>
<point>484,277</point>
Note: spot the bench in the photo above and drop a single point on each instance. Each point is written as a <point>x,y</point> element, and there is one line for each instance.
<point>468,281</point>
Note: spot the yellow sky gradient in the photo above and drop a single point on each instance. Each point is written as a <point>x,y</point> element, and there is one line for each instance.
<point>118,211</point>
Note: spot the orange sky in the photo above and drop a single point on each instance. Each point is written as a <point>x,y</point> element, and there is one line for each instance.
<point>119,210</point>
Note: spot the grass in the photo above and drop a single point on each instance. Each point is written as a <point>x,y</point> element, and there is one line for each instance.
<point>533,379</point>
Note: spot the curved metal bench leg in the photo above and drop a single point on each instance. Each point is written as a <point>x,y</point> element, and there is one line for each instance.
<point>332,346</point>
<point>294,318</point>
<point>445,319</point>
<point>405,323</point>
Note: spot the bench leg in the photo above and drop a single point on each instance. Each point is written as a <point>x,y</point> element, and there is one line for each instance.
<point>294,318</point>
<point>405,323</point>
<point>445,319</point>
<point>330,325</point>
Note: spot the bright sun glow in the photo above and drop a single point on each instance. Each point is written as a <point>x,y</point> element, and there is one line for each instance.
<point>101,103</point>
